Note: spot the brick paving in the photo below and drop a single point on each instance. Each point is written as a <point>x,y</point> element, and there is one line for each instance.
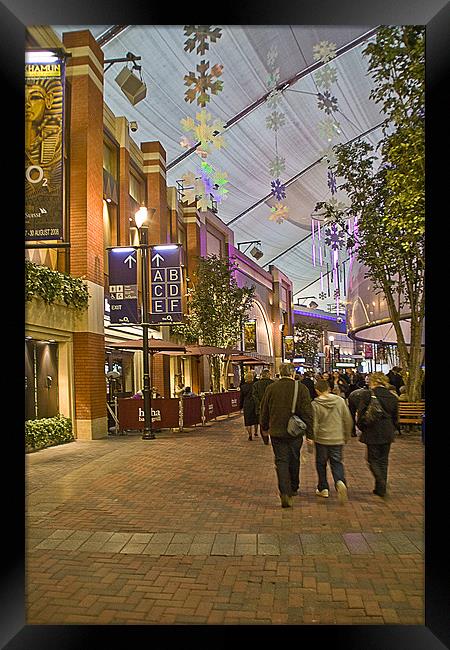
<point>188,529</point>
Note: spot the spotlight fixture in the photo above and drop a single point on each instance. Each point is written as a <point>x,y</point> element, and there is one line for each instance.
<point>256,253</point>
<point>132,86</point>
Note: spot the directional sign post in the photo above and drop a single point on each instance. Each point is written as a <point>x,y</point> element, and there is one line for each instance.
<point>123,290</point>
<point>166,276</point>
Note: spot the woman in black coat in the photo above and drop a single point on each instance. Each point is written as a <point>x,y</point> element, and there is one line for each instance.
<point>247,403</point>
<point>379,435</point>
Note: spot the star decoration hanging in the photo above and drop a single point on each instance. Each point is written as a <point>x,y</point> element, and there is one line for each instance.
<point>331,180</point>
<point>326,76</point>
<point>275,120</point>
<point>324,51</point>
<point>329,128</point>
<point>277,166</point>
<point>274,98</point>
<point>272,56</point>
<point>326,102</point>
<point>278,189</point>
<point>205,132</point>
<point>334,237</point>
<point>201,34</point>
<point>203,84</point>
<point>322,295</point>
<point>278,212</point>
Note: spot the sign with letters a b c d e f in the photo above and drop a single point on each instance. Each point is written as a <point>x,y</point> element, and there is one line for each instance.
<point>166,284</point>
<point>123,290</point>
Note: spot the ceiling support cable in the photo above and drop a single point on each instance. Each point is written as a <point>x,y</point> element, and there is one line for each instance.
<point>297,176</point>
<point>108,35</point>
<point>283,85</point>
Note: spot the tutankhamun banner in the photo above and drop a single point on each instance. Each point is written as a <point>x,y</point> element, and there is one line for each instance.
<point>44,127</point>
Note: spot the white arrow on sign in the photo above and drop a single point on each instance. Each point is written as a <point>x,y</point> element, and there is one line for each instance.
<point>157,258</point>
<point>128,260</point>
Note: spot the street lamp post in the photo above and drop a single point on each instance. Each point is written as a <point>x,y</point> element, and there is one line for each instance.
<point>331,339</point>
<point>140,217</point>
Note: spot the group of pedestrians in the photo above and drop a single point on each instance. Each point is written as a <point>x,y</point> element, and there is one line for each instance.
<point>330,407</point>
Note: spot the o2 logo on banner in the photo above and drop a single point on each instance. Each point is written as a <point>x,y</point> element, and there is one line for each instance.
<point>44,129</point>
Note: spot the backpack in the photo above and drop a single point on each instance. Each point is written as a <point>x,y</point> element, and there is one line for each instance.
<point>370,414</point>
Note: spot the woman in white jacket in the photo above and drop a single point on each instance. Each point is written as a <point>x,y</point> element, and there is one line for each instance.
<point>333,425</point>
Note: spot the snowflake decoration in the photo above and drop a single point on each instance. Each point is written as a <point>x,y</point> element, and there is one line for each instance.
<point>322,295</point>
<point>329,128</point>
<point>272,56</point>
<point>186,143</point>
<point>331,180</point>
<point>278,212</point>
<point>275,120</point>
<point>334,237</point>
<point>326,102</point>
<point>214,181</point>
<point>273,79</point>
<point>278,189</point>
<point>337,206</point>
<point>329,156</point>
<point>277,167</point>
<point>324,51</point>
<point>326,76</point>
<point>201,33</point>
<point>337,294</point>
<point>203,84</point>
<point>274,98</point>
<point>205,132</point>
<point>194,187</point>
<point>203,202</point>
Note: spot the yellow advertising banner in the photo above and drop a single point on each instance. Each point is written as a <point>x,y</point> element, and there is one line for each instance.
<point>44,129</point>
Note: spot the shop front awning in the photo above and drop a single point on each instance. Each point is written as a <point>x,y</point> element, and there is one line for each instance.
<point>154,345</point>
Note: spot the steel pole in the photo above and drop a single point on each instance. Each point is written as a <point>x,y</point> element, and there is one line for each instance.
<point>146,391</point>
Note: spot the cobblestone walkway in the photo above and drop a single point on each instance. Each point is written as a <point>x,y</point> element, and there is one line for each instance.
<point>188,528</point>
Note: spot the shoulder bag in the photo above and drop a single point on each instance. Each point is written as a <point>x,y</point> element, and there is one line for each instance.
<point>295,426</point>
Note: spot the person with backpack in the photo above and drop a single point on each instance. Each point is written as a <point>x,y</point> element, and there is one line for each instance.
<point>377,419</point>
<point>333,425</point>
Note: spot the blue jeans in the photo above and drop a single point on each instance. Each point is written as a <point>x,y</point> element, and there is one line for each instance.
<point>332,453</point>
<point>287,463</point>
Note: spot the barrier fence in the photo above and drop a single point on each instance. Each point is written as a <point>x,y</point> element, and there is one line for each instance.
<point>176,412</point>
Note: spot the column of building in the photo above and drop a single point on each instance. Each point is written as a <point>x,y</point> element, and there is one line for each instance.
<point>85,75</point>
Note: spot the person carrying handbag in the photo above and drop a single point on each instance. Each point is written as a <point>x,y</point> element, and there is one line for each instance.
<point>275,413</point>
<point>377,419</point>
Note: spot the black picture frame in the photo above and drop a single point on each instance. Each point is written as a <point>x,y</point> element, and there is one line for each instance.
<point>15,15</point>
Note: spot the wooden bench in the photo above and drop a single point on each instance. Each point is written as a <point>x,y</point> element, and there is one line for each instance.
<point>410,412</point>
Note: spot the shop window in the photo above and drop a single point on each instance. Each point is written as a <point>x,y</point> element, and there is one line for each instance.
<point>41,379</point>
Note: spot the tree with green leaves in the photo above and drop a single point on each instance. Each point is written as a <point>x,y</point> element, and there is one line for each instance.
<point>386,189</point>
<point>217,307</point>
<point>307,337</point>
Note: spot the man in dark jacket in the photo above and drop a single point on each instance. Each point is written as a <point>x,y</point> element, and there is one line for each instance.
<point>353,402</point>
<point>395,378</point>
<point>259,388</point>
<point>275,412</point>
<point>379,435</point>
<point>308,382</point>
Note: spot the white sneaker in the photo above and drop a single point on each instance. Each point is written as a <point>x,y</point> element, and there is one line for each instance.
<point>342,491</point>
<point>322,493</point>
